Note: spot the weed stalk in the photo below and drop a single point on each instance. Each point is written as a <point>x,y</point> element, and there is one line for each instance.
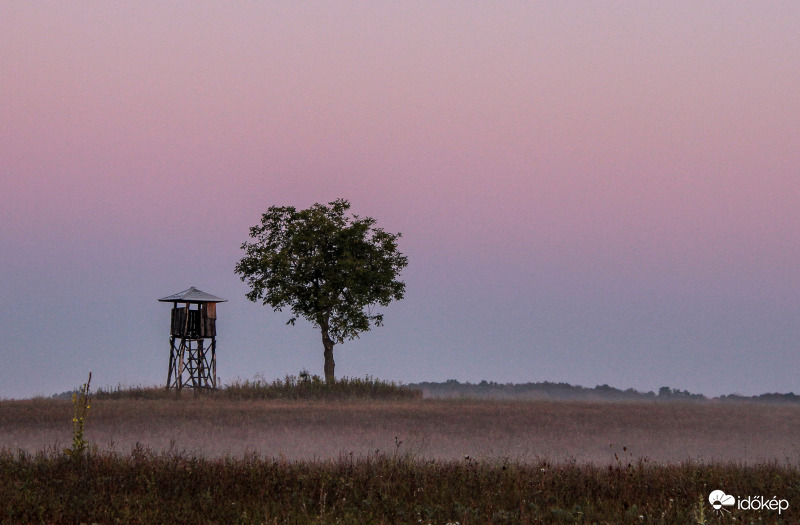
<point>81,403</point>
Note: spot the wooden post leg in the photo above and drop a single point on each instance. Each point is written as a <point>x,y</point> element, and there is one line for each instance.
<point>179,374</point>
<point>214,364</point>
<point>200,365</point>
<point>171,361</point>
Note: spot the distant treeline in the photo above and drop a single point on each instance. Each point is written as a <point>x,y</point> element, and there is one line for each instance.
<point>565,391</point>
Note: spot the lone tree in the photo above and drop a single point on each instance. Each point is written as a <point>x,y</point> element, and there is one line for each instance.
<point>329,268</point>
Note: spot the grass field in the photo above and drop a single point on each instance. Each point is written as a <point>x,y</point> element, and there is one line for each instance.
<point>221,460</point>
<point>522,431</point>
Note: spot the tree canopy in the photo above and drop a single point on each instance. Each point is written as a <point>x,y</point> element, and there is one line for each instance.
<point>328,267</point>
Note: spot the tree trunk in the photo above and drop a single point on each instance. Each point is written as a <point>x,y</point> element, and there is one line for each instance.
<point>327,343</point>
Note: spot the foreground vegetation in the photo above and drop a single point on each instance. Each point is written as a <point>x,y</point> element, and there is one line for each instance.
<point>144,487</point>
<point>280,452</point>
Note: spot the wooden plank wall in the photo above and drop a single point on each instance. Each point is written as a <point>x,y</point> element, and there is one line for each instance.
<point>200,324</point>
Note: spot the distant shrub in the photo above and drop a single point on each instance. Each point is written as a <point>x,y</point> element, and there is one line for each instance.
<point>302,386</point>
<point>307,386</point>
<point>136,392</point>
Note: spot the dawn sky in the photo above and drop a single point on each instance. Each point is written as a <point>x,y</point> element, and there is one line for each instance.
<point>588,192</point>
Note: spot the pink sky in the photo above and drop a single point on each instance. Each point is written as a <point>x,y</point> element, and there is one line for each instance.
<point>567,169</point>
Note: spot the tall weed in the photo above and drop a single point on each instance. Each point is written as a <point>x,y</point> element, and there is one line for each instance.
<point>81,403</point>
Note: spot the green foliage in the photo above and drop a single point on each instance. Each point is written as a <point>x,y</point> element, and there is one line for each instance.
<point>144,487</point>
<point>81,403</point>
<point>327,267</point>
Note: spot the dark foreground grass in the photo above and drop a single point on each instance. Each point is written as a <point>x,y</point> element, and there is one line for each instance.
<point>144,487</point>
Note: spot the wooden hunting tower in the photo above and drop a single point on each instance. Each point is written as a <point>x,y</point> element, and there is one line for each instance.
<point>192,363</point>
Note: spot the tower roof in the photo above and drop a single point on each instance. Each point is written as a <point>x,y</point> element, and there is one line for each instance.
<point>192,295</point>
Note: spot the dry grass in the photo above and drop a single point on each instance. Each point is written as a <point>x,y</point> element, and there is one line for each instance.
<point>382,489</point>
<point>522,431</point>
<point>216,460</point>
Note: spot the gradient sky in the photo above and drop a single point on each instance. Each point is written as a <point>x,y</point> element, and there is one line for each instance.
<point>589,192</point>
